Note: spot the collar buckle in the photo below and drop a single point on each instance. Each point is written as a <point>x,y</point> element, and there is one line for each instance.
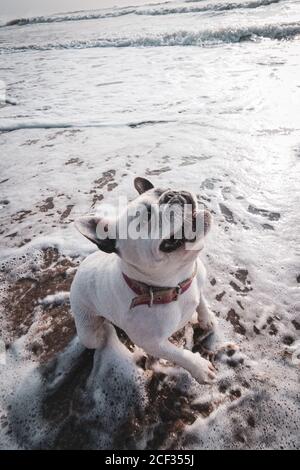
<point>178,290</point>
<point>151,297</point>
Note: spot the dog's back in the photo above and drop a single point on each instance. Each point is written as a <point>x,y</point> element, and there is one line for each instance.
<point>98,288</point>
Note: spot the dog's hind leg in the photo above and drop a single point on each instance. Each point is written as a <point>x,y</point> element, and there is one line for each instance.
<point>91,329</point>
<point>206,318</point>
<point>212,340</point>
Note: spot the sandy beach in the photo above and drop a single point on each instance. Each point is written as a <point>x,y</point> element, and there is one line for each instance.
<point>201,98</point>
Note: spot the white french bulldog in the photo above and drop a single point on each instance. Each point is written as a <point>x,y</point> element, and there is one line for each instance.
<point>149,287</point>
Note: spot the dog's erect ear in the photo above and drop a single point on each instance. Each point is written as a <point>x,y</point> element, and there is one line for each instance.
<point>96,230</point>
<point>142,185</point>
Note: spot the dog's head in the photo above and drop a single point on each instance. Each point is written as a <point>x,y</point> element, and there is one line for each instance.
<point>159,226</point>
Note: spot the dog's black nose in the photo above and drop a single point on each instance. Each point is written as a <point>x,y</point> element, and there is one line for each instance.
<point>174,197</point>
<point>167,197</point>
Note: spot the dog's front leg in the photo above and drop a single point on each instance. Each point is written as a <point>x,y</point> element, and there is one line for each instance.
<point>201,369</point>
<point>206,318</point>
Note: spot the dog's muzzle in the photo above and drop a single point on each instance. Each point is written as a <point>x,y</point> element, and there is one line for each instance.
<point>177,197</point>
<point>183,199</point>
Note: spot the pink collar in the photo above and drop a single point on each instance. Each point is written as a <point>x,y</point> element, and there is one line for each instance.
<point>149,295</point>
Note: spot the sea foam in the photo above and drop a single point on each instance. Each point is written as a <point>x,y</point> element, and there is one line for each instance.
<point>232,34</point>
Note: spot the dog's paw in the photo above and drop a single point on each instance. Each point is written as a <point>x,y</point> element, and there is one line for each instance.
<point>204,371</point>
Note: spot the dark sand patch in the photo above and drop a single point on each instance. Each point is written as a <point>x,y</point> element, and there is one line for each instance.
<point>244,285</point>
<point>7,222</point>
<point>22,303</point>
<point>65,132</point>
<point>111,186</point>
<point>20,215</point>
<point>30,142</point>
<point>11,235</point>
<point>220,296</point>
<point>234,319</point>
<point>158,171</point>
<point>106,179</point>
<point>51,332</point>
<point>192,159</point>
<point>270,326</point>
<point>46,205</point>
<point>4,202</point>
<point>264,213</point>
<point>267,227</point>
<point>66,212</point>
<point>228,214</point>
<point>74,161</point>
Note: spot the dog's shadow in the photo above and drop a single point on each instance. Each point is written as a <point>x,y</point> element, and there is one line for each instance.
<point>104,399</point>
<point>78,400</point>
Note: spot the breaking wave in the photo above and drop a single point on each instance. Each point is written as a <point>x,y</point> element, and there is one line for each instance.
<point>179,38</point>
<point>65,18</point>
<point>209,7</point>
<point>136,11</point>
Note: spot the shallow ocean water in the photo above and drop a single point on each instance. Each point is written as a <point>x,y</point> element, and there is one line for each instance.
<point>203,95</point>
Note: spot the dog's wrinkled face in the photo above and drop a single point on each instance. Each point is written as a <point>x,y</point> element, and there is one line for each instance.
<point>160,225</point>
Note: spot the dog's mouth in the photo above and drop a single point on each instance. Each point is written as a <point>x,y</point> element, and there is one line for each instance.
<point>183,199</point>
